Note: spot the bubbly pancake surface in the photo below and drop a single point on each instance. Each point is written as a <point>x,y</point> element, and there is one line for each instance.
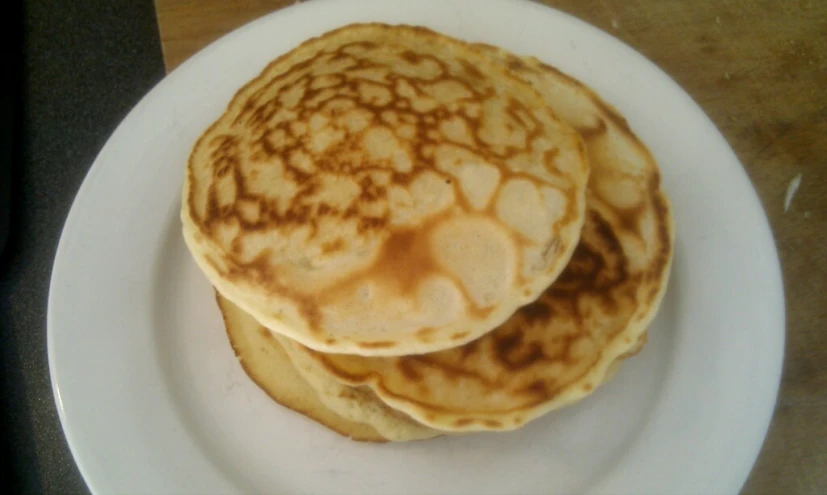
<point>556,350</point>
<point>384,190</point>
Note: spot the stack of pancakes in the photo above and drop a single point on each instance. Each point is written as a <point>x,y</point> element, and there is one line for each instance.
<point>411,236</point>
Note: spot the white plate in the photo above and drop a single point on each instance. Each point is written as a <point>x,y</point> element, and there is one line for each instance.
<point>152,399</point>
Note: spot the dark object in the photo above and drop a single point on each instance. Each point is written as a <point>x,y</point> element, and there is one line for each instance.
<point>83,65</point>
<point>7,120</point>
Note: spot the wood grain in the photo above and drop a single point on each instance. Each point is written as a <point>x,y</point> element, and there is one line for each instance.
<point>759,70</point>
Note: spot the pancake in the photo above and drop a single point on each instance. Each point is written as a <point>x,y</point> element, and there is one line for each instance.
<point>352,412</point>
<point>265,362</point>
<point>364,408</point>
<point>557,350</point>
<point>384,190</point>
<point>357,404</point>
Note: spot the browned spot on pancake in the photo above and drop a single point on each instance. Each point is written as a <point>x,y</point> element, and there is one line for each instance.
<point>463,422</point>
<point>410,56</point>
<point>536,311</point>
<point>588,387</point>
<point>405,259</point>
<point>407,368</point>
<point>330,341</point>
<point>469,348</point>
<point>514,63</point>
<point>549,156</point>
<point>333,246</point>
<point>425,334</point>
<point>260,271</point>
<point>324,209</point>
<point>630,218</point>
<point>492,423</point>
<point>537,388</point>
<point>310,312</point>
<point>329,362</point>
<point>653,294</point>
<point>459,335</point>
<point>471,69</point>
<point>379,344</point>
<point>591,133</point>
<point>596,267</point>
<point>514,353</point>
<point>368,224</point>
<point>370,190</point>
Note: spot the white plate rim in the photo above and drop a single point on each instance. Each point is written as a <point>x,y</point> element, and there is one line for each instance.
<point>624,477</point>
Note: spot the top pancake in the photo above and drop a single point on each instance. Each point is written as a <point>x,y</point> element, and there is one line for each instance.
<point>384,190</point>
<point>558,349</point>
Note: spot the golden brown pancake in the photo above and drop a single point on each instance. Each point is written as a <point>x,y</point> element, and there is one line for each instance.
<point>384,190</point>
<point>353,412</point>
<point>268,366</point>
<point>558,349</point>
<point>358,404</point>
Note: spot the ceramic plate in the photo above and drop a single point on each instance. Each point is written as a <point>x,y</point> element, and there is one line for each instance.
<point>152,399</point>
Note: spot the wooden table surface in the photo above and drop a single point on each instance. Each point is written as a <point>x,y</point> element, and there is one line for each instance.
<point>759,70</point>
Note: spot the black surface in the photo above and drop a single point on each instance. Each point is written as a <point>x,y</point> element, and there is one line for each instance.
<point>9,99</point>
<point>85,64</point>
